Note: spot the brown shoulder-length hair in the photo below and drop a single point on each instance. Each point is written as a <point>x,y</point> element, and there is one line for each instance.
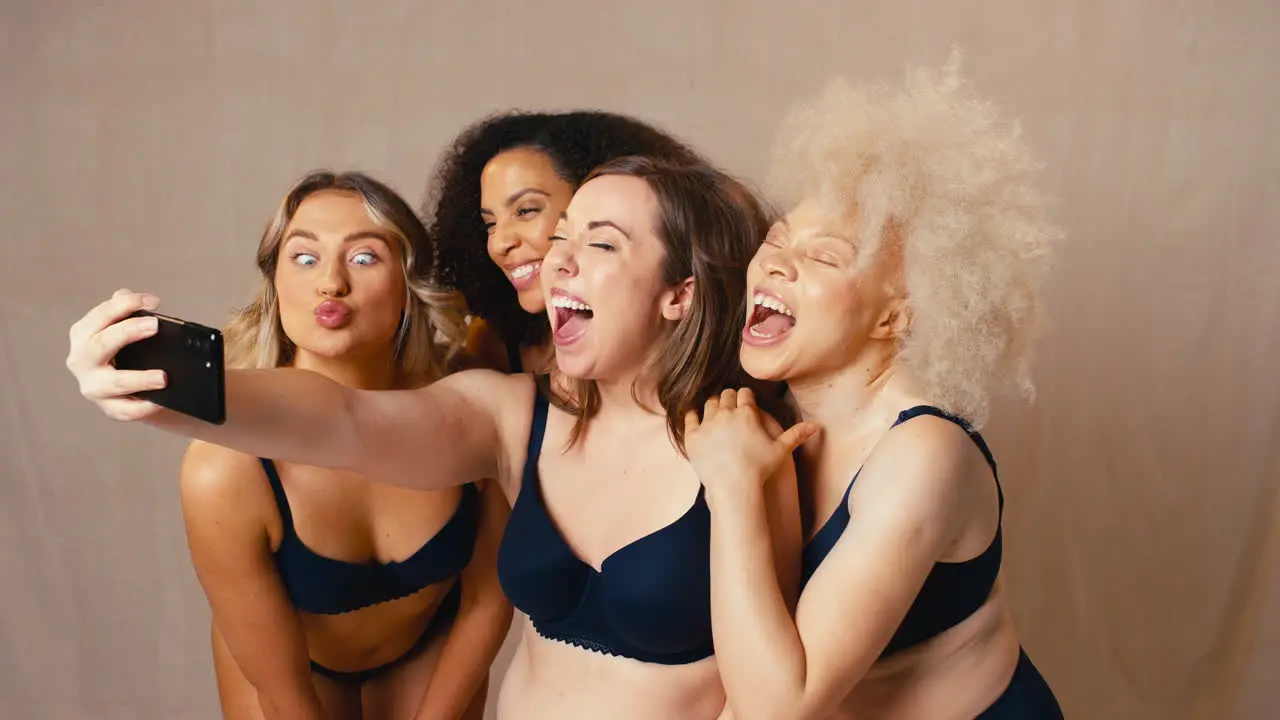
<point>432,326</point>
<point>710,225</point>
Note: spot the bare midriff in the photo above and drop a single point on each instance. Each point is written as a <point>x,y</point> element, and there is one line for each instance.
<point>552,680</point>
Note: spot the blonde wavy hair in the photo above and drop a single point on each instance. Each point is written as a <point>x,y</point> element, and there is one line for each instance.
<point>432,328</point>
<point>935,171</point>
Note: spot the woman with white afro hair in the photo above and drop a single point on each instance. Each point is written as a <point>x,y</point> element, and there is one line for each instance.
<point>895,299</point>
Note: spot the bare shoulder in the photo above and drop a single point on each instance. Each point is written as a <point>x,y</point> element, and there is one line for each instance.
<point>482,379</point>
<point>920,469</point>
<point>224,486</point>
<point>495,391</point>
<point>508,400</point>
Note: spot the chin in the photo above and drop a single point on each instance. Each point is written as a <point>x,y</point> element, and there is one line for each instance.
<point>532,302</point>
<point>573,364</point>
<point>764,365</point>
<point>329,348</point>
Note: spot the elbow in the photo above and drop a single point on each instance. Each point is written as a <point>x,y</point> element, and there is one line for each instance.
<point>301,702</point>
<point>756,710</point>
<point>776,702</point>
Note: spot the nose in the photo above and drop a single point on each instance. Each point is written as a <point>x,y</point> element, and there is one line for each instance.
<point>561,259</point>
<point>778,264</point>
<point>334,281</point>
<point>503,239</point>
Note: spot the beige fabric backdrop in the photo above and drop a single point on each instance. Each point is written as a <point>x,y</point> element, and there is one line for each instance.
<point>146,143</point>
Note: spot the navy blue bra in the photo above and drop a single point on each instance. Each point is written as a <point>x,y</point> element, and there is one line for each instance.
<point>324,586</point>
<point>953,590</point>
<point>650,600</point>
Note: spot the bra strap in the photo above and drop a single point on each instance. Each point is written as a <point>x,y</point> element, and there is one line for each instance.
<point>537,429</point>
<point>277,489</point>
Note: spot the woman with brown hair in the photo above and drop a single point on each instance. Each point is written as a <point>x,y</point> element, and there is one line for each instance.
<point>607,546</point>
<point>334,595</point>
<point>494,201</point>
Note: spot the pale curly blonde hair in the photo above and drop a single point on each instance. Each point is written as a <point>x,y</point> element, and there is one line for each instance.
<point>935,170</point>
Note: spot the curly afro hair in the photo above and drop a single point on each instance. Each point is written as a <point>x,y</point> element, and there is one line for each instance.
<point>576,142</point>
<point>942,170</point>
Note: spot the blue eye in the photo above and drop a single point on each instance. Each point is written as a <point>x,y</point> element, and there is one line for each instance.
<point>364,258</point>
<point>304,258</point>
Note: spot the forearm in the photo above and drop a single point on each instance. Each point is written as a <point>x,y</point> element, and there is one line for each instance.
<point>473,643</point>
<point>299,702</point>
<point>282,414</point>
<point>749,613</point>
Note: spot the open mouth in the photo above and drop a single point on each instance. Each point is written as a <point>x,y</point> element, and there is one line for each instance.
<point>770,319</point>
<point>570,318</point>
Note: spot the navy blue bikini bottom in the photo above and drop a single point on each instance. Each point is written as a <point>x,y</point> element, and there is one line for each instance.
<point>1028,696</point>
<point>440,623</point>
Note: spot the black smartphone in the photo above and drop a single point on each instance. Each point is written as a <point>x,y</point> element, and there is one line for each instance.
<point>190,354</point>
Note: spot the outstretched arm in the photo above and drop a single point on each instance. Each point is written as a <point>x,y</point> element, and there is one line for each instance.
<point>853,604</point>
<point>448,428</point>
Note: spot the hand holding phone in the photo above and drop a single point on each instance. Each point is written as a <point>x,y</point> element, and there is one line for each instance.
<point>191,357</point>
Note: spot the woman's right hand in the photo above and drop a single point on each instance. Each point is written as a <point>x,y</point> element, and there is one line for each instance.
<point>95,340</point>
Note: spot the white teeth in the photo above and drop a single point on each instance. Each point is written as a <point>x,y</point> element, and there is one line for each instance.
<point>564,302</point>
<point>772,303</point>
<point>525,270</point>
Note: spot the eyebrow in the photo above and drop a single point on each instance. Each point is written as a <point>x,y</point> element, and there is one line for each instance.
<point>516,196</point>
<point>352,237</point>
<point>608,223</point>
<point>564,216</point>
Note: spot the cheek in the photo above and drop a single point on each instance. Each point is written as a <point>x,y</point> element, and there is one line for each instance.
<point>539,235</point>
<point>383,291</point>
<point>491,247</point>
<point>629,295</point>
<point>837,303</point>
<point>292,292</point>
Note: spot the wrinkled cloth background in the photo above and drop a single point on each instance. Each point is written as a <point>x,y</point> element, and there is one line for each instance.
<point>146,143</point>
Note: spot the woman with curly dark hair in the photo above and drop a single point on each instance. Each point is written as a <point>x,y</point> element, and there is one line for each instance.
<point>494,201</point>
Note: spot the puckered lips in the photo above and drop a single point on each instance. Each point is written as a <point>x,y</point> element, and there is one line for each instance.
<point>333,314</point>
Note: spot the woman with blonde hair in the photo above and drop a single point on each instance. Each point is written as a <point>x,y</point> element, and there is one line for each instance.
<point>333,595</point>
<point>607,547</point>
<point>900,293</point>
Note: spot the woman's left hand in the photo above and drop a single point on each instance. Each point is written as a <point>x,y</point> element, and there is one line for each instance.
<point>732,446</point>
